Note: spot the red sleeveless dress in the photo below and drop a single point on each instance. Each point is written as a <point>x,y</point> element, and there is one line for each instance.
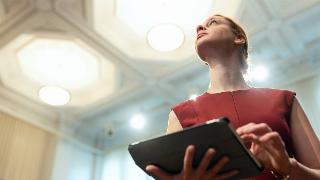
<point>258,105</point>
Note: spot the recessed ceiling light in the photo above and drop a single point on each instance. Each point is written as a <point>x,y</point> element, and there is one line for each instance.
<point>165,37</point>
<point>54,95</point>
<point>138,121</point>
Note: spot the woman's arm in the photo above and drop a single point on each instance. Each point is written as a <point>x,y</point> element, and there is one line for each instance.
<point>173,123</point>
<point>306,145</point>
<point>305,142</point>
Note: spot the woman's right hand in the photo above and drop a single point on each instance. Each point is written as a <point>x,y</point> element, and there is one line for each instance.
<point>190,173</point>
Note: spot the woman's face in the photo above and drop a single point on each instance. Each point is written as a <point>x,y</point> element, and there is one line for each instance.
<point>214,37</point>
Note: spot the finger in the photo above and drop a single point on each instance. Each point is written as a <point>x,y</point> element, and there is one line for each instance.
<point>258,129</point>
<point>246,140</point>
<point>206,160</point>
<point>240,129</point>
<point>273,137</point>
<point>276,147</point>
<point>250,138</point>
<point>273,144</point>
<point>270,150</point>
<point>188,159</point>
<point>217,167</point>
<point>156,171</point>
<point>256,146</point>
<point>227,175</point>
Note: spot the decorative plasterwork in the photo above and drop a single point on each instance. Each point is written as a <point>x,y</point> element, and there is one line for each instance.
<point>10,8</point>
<point>283,35</point>
<point>2,11</point>
<point>287,8</point>
<point>67,63</point>
<point>15,78</point>
<point>44,5</point>
<point>253,18</point>
<point>79,9</point>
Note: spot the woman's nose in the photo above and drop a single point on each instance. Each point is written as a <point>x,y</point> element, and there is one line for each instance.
<point>200,28</point>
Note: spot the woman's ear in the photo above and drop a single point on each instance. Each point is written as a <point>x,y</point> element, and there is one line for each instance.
<point>239,40</point>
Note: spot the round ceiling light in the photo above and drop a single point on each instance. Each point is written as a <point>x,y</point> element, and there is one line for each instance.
<point>138,121</point>
<point>258,73</point>
<point>54,95</point>
<point>165,37</point>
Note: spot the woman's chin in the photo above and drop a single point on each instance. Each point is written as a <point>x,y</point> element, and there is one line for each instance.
<point>203,52</point>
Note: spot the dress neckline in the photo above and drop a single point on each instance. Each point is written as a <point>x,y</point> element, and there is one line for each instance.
<point>235,91</point>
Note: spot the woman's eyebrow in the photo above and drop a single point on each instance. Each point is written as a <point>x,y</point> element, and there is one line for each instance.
<point>210,19</point>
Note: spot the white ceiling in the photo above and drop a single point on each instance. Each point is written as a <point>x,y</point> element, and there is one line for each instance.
<point>283,36</point>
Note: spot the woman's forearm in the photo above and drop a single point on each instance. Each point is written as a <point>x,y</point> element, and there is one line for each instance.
<point>300,171</point>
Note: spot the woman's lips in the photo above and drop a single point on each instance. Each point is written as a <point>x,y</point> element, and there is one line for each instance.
<point>201,35</point>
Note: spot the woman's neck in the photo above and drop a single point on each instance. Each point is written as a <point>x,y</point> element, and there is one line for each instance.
<point>226,75</point>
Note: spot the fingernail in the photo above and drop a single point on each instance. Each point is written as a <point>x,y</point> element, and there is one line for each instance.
<point>211,150</point>
<point>148,167</point>
<point>191,147</point>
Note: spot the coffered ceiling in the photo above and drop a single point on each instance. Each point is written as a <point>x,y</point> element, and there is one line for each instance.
<point>121,75</point>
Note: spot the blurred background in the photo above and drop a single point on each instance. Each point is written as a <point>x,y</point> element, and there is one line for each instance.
<point>81,79</point>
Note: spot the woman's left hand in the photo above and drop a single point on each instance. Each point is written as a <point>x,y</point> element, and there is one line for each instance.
<point>267,146</point>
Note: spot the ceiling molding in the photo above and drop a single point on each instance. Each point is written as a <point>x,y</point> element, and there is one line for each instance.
<point>93,39</point>
<point>44,117</point>
<point>113,102</point>
<point>17,24</point>
<point>11,10</point>
<point>79,9</point>
<point>288,8</point>
<point>17,103</point>
<point>44,5</point>
<point>2,12</point>
<point>252,16</point>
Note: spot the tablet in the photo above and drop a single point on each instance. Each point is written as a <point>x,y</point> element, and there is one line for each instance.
<point>167,151</point>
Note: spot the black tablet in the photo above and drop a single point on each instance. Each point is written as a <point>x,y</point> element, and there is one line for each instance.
<point>167,152</point>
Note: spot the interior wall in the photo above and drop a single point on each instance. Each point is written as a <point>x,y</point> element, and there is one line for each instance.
<point>118,165</point>
<point>30,153</point>
<point>26,151</point>
<point>73,162</point>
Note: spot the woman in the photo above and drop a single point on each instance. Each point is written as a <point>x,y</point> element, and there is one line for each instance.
<point>271,120</point>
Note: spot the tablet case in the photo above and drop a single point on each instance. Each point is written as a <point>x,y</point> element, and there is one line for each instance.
<point>167,151</point>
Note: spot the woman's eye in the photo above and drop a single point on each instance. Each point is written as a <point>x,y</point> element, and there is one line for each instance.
<point>212,21</point>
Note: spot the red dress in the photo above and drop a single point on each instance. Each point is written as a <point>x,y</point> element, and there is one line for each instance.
<point>258,105</point>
